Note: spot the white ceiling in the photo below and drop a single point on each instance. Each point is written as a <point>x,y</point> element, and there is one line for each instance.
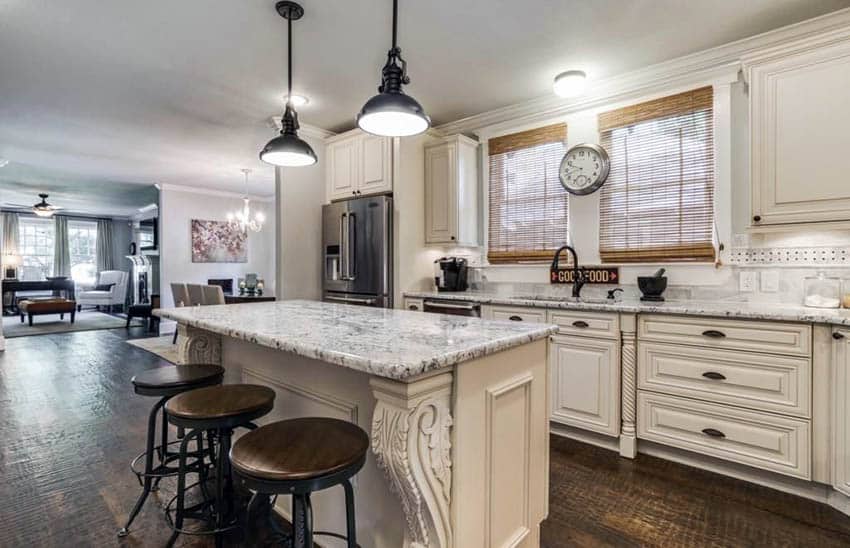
<point>179,92</point>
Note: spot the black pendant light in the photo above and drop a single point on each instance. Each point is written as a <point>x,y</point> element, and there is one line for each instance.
<point>391,113</point>
<point>287,149</point>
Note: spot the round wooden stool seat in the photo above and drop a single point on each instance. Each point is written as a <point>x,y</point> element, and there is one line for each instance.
<point>224,406</point>
<point>300,449</point>
<point>172,380</point>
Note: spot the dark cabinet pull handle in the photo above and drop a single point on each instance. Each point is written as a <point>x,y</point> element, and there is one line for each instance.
<point>413,307</point>
<point>713,433</point>
<point>714,334</point>
<point>580,323</point>
<point>714,376</point>
<point>837,336</point>
<point>757,218</point>
<point>515,318</point>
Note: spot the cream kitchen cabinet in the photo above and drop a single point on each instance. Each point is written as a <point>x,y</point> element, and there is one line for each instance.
<point>358,164</point>
<point>799,115</point>
<point>451,191</point>
<point>841,411</point>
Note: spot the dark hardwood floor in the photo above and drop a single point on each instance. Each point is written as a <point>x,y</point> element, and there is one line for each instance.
<point>70,423</point>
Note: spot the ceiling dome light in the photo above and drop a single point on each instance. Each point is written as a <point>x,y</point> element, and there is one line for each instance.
<point>570,83</point>
<point>392,113</point>
<point>287,149</point>
<point>296,100</point>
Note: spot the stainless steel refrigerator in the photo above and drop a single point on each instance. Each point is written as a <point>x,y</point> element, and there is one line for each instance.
<point>357,246</point>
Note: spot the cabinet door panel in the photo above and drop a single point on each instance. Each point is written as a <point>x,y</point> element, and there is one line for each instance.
<point>841,412</point>
<point>586,383</point>
<point>343,168</point>
<point>799,119</point>
<point>376,165</point>
<point>440,194</point>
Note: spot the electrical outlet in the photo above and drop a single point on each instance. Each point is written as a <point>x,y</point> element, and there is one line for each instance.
<point>769,281</point>
<point>747,282</point>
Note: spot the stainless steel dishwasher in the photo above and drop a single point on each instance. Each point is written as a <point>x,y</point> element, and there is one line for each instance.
<point>455,308</point>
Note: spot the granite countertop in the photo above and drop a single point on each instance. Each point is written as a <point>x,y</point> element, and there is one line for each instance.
<point>396,344</point>
<point>717,308</point>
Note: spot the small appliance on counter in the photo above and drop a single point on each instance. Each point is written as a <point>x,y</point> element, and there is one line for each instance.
<point>450,274</point>
<point>653,286</point>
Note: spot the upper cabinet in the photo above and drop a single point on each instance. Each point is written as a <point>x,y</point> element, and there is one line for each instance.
<point>451,192</point>
<point>799,114</point>
<point>358,164</point>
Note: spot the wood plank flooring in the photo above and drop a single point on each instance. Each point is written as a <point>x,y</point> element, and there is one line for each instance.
<point>70,423</point>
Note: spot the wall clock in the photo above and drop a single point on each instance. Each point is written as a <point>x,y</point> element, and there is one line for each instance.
<point>584,169</point>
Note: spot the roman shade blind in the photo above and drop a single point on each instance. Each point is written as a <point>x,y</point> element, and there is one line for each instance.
<point>528,205</point>
<point>658,201</point>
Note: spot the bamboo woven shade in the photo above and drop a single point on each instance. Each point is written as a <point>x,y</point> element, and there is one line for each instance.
<point>658,201</point>
<point>528,205</point>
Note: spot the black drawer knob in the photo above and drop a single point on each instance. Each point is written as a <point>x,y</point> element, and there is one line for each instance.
<point>714,376</point>
<point>515,318</point>
<point>757,218</point>
<point>713,433</point>
<point>580,323</point>
<point>714,334</point>
<point>837,336</point>
<point>413,307</point>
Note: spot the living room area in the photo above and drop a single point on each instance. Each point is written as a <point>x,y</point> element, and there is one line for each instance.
<point>76,255</point>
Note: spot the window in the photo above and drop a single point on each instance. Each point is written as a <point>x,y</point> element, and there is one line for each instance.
<point>36,247</point>
<point>528,205</point>
<point>82,243</point>
<point>658,201</point>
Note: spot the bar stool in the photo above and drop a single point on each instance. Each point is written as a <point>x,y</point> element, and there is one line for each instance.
<point>220,409</point>
<point>297,457</point>
<point>164,383</point>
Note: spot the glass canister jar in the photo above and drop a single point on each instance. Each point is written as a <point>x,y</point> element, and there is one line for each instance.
<point>821,291</point>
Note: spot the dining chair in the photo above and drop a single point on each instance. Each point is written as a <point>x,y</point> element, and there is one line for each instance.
<point>196,294</point>
<point>213,294</point>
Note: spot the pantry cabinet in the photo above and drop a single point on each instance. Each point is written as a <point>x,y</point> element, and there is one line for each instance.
<point>358,164</point>
<point>799,116</point>
<point>451,191</point>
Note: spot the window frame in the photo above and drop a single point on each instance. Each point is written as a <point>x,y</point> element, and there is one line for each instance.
<point>25,224</point>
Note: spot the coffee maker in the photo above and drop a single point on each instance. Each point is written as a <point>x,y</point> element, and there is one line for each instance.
<point>450,274</point>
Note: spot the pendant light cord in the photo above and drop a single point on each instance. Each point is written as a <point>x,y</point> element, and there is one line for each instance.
<point>289,57</point>
<point>395,24</point>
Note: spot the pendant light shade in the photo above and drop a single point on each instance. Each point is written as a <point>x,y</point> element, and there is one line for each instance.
<point>392,113</point>
<point>287,149</point>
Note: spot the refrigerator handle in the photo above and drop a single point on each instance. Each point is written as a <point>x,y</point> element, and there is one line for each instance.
<point>351,264</point>
<point>343,247</point>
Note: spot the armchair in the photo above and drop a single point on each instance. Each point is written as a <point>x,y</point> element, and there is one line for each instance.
<point>115,295</point>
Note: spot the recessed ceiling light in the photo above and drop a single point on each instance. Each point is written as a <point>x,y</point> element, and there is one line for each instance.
<point>297,100</point>
<point>570,83</point>
<point>4,162</point>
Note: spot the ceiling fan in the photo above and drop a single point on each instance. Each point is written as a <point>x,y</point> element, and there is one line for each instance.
<point>42,208</point>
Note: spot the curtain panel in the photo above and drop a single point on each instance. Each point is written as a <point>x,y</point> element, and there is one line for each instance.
<point>61,247</point>
<point>11,234</point>
<point>103,247</point>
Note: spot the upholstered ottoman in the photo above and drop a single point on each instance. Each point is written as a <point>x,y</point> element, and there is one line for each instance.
<point>40,307</point>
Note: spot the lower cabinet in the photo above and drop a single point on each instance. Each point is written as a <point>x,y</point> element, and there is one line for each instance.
<point>585,380</point>
<point>841,411</point>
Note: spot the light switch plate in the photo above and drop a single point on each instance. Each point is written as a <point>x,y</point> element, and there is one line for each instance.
<point>769,281</point>
<point>747,282</point>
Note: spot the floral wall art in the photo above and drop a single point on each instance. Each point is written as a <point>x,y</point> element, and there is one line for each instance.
<point>218,242</point>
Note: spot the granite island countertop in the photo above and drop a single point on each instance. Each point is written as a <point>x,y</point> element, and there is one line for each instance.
<point>717,308</point>
<point>396,344</point>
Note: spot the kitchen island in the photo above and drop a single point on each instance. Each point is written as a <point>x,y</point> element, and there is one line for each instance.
<point>456,407</point>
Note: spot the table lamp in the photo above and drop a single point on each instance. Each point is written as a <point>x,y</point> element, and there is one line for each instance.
<point>11,262</point>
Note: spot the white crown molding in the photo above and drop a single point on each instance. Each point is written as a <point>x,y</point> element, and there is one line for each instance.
<point>306,129</point>
<point>211,192</point>
<point>697,68</point>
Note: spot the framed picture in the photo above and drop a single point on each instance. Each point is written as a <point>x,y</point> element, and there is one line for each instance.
<point>218,242</point>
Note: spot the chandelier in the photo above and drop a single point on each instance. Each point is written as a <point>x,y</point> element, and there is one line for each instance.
<point>241,219</point>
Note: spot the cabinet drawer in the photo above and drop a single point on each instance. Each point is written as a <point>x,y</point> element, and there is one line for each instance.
<point>519,314</point>
<point>590,324</point>
<point>763,382</point>
<point>413,304</point>
<point>770,442</point>
<point>774,337</point>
